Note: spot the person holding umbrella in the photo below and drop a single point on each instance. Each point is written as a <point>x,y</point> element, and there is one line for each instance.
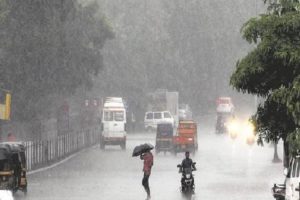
<point>144,151</point>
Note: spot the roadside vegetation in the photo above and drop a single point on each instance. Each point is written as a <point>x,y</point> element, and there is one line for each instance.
<point>48,49</point>
<point>272,71</point>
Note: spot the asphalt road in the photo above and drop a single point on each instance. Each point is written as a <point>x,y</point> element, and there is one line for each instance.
<point>227,169</point>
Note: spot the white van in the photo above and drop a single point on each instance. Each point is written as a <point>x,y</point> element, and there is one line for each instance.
<point>293,179</point>
<point>152,118</point>
<point>113,123</point>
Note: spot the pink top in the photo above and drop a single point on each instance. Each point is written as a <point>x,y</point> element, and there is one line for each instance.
<point>148,162</point>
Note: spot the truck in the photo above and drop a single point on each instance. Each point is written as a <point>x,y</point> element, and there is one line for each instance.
<point>164,100</point>
<point>113,123</point>
<point>225,113</point>
<point>225,105</point>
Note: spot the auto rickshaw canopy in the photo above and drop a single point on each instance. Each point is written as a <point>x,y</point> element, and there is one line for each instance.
<point>164,130</point>
<point>8,151</point>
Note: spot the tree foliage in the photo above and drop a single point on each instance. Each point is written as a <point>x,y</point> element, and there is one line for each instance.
<point>272,69</point>
<point>267,121</point>
<point>48,49</point>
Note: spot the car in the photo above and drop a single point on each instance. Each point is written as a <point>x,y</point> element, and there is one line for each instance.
<point>152,118</point>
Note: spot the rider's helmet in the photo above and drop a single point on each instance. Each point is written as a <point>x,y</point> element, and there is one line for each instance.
<point>187,154</point>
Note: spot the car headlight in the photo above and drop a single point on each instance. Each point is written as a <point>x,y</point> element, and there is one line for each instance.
<point>233,126</point>
<point>249,129</point>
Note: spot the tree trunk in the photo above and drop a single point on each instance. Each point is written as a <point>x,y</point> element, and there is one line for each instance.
<point>286,154</point>
<point>276,158</point>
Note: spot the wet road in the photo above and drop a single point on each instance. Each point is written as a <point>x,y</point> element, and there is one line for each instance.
<point>226,170</point>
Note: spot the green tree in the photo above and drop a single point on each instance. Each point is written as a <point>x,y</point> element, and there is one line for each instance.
<point>50,48</point>
<point>271,68</point>
<point>290,97</point>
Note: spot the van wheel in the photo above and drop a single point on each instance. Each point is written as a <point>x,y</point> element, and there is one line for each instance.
<point>123,146</point>
<point>102,145</point>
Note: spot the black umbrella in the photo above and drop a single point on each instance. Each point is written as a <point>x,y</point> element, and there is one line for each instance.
<point>139,150</point>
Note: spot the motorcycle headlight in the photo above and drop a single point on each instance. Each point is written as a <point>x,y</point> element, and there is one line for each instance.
<point>188,176</point>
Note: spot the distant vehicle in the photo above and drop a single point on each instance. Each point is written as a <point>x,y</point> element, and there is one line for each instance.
<point>152,119</point>
<point>225,105</point>
<point>163,100</point>
<point>185,112</point>
<point>113,123</point>
<point>222,122</point>
<point>186,138</point>
<point>164,138</point>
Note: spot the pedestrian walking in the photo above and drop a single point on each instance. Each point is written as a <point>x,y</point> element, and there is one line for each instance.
<point>148,163</point>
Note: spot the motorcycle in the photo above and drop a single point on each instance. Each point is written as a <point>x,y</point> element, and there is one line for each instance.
<point>187,181</point>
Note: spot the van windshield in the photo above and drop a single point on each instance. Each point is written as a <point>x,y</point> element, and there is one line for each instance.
<point>108,116</point>
<point>119,115</point>
<point>113,116</point>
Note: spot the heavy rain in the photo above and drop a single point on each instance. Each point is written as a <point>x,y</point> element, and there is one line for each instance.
<point>149,99</point>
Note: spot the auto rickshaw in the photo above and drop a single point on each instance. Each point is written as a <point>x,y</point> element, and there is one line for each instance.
<point>186,137</point>
<point>13,167</point>
<point>164,138</point>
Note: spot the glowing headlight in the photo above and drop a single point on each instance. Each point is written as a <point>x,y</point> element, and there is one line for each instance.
<point>233,126</point>
<point>188,176</point>
<point>249,129</point>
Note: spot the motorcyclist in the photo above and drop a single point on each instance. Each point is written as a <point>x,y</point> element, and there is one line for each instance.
<point>187,164</point>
